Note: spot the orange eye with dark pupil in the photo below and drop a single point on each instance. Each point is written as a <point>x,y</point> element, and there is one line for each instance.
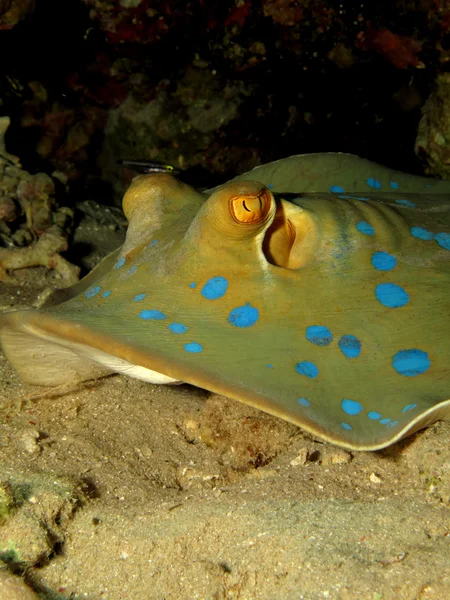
<point>249,208</point>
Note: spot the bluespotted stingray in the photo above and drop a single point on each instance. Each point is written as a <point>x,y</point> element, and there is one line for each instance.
<point>316,288</point>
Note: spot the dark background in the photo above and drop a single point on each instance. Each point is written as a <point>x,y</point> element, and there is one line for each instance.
<point>215,88</point>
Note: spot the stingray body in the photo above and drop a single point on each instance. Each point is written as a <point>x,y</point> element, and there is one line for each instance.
<point>316,288</point>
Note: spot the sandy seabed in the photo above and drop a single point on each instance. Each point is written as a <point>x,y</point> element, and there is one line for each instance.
<point>125,490</point>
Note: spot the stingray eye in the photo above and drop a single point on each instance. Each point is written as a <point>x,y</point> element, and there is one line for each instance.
<point>251,208</point>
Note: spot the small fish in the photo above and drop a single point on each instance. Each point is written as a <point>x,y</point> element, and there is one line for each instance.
<point>148,166</point>
<point>197,176</point>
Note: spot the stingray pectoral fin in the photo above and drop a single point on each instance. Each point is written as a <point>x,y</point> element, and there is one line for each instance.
<point>103,267</point>
<point>52,351</point>
<point>46,351</point>
<point>325,170</point>
<point>441,412</point>
<point>40,361</point>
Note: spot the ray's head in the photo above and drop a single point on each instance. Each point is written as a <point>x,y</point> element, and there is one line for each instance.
<point>246,213</point>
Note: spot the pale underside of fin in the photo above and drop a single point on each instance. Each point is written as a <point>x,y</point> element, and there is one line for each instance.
<point>38,357</point>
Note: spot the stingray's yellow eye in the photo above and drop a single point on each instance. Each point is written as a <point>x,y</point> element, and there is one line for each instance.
<point>250,208</point>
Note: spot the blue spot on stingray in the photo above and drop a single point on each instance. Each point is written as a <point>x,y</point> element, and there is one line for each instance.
<point>306,368</point>
<point>385,421</point>
<point>243,316</point>
<point>92,292</point>
<point>132,270</point>
<point>383,261</point>
<point>106,294</point>
<point>409,407</point>
<point>406,203</point>
<point>374,415</point>
<point>215,288</point>
<point>346,426</point>
<point>374,183</point>
<point>178,328</point>
<point>193,347</point>
<point>443,239</point>
<point>394,185</point>
<point>351,407</point>
<point>391,295</point>
<point>427,185</point>
<point>120,263</point>
<point>153,243</point>
<point>421,234</point>
<point>270,186</point>
<point>193,285</point>
<point>304,402</point>
<point>269,365</point>
<point>392,424</point>
<point>354,198</point>
<point>337,189</point>
<point>154,315</point>
<point>365,228</point>
<point>319,335</point>
<point>139,297</point>
<point>411,362</point>
<point>350,346</point>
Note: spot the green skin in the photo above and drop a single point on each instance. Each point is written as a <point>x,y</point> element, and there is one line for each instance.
<point>360,402</point>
